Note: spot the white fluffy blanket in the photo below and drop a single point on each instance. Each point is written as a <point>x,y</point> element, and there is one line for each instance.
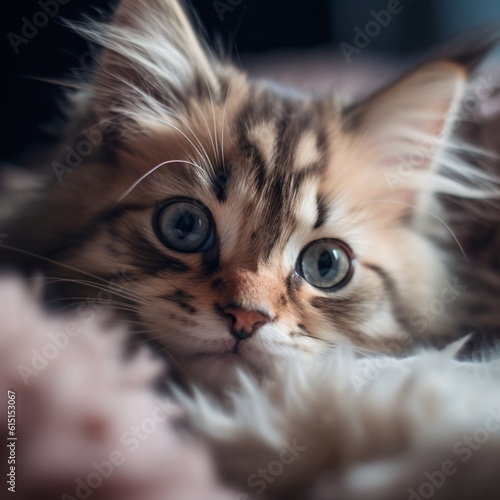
<point>89,423</point>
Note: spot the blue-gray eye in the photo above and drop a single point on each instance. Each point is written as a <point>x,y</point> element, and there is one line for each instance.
<point>326,264</point>
<point>185,226</point>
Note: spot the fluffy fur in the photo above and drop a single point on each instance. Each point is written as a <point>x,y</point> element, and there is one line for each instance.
<point>362,428</point>
<point>371,429</point>
<point>78,401</point>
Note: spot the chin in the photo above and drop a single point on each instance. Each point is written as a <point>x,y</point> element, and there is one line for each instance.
<point>219,371</point>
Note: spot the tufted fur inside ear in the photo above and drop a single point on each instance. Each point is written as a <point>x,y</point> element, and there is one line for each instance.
<point>424,101</point>
<point>409,121</point>
<point>152,62</point>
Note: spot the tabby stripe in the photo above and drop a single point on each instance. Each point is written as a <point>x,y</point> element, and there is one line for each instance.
<point>211,259</point>
<point>180,298</point>
<point>389,284</point>
<point>260,169</point>
<point>390,287</point>
<point>149,260</point>
<point>219,184</point>
<point>293,283</point>
<point>278,184</point>
<point>322,212</point>
<point>343,313</point>
<point>284,138</point>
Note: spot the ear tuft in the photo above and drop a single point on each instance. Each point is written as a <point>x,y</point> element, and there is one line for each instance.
<point>151,63</point>
<point>402,134</point>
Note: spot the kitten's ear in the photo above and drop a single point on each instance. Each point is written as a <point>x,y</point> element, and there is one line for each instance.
<point>410,116</point>
<point>419,107</point>
<point>152,62</point>
<point>400,135</point>
<point>401,140</point>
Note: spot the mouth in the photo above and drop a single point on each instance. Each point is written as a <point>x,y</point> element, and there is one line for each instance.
<point>230,352</point>
<point>219,367</point>
<point>236,348</point>
<point>234,355</point>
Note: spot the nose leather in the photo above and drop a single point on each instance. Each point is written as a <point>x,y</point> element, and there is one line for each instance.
<point>244,322</point>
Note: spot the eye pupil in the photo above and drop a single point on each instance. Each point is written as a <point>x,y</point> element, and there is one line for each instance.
<point>185,226</point>
<point>325,263</point>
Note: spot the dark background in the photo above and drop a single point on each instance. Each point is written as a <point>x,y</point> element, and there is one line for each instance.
<point>236,27</point>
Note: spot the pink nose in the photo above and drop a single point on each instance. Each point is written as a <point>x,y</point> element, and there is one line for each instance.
<point>243,323</point>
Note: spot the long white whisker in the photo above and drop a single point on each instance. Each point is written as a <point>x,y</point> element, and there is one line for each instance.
<point>206,157</point>
<point>46,259</point>
<point>124,294</point>
<point>138,181</point>
<point>216,149</point>
<point>208,130</point>
<point>223,122</point>
<point>78,300</point>
<point>426,212</point>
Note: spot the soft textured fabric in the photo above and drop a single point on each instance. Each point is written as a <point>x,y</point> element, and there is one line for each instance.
<point>343,427</point>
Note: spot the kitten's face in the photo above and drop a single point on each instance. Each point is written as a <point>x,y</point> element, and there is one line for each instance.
<point>268,226</point>
<point>262,234</point>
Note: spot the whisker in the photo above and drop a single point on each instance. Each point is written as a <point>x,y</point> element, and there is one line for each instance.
<point>216,149</point>
<point>91,301</point>
<point>189,140</point>
<point>223,122</point>
<point>365,351</point>
<point>123,294</point>
<point>47,259</point>
<point>154,330</point>
<point>138,181</point>
<point>207,127</point>
<point>426,212</point>
<point>206,157</point>
<point>116,306</point>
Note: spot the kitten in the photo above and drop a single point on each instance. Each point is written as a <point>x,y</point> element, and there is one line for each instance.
<point>251,223</point>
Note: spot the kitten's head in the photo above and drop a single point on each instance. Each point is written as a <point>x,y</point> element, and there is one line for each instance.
<point>250,222</point>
